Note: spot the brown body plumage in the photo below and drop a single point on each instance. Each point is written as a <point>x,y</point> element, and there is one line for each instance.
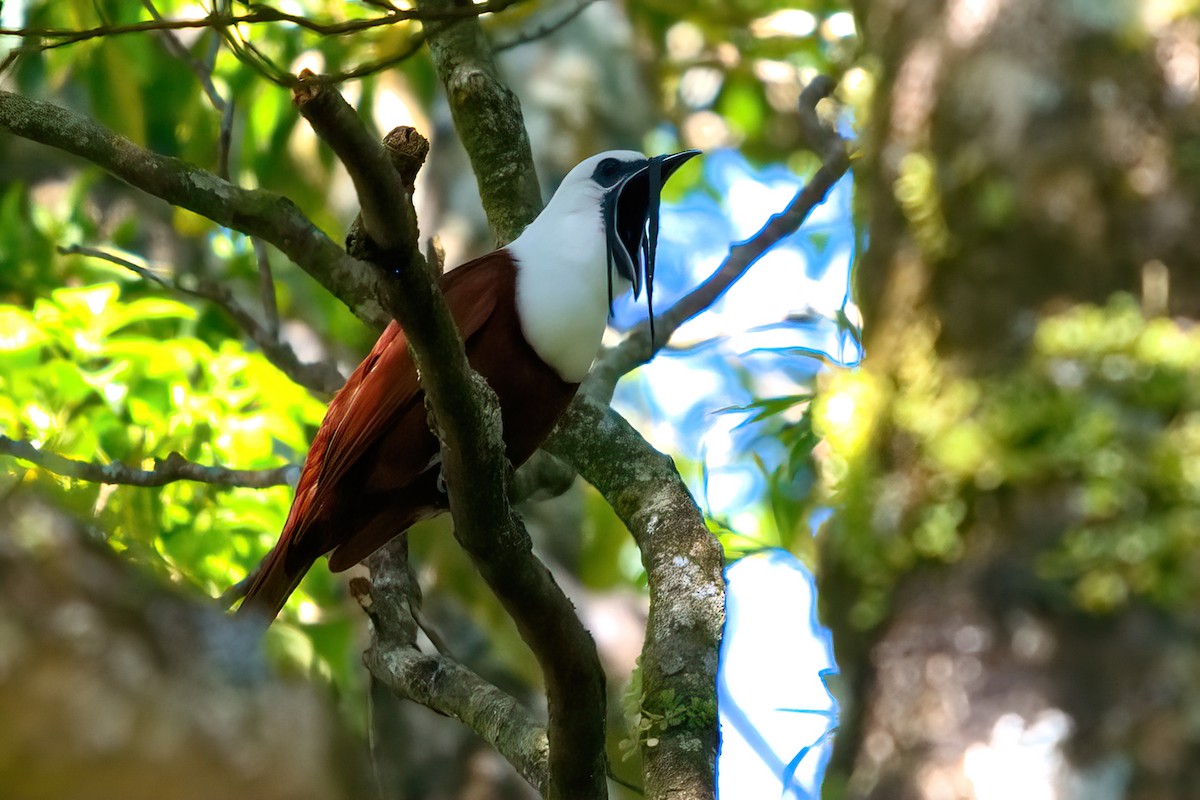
<point>372,472</point>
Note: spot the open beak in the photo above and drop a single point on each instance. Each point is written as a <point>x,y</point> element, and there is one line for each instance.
<point>631,218</point>
<point>675,161</point>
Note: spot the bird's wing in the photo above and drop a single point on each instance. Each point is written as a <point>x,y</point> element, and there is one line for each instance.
<point>383,386</point>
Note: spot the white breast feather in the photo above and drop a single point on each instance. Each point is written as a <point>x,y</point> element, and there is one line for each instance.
<point>562,289</point>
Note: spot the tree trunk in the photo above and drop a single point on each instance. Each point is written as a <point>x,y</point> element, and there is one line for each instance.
<point>1010,577</point>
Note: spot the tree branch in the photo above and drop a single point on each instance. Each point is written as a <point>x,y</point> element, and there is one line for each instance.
<point>683,562</point>
<point>637,349</point>
<point>255,212</point>
<point>168,470</point>
<point>385,207</point>
<point>437,681</point>
<point>487,116</point>
<point>466,418</point>
<point>543,31</point>
<point>526,589</point>
<point>503,557</point>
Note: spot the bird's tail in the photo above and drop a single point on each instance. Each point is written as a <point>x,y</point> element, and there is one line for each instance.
<point>270,585</point>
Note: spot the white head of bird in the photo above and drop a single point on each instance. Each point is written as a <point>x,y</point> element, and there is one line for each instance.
<point>594,239</point>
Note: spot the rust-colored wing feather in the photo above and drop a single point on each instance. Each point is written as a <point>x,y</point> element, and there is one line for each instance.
<point>381,402</point>
<point>385,381</point>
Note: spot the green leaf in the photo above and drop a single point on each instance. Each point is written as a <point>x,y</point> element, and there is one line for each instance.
<point>146,308</point>
<point>19,331</point>
<point>87,303</point>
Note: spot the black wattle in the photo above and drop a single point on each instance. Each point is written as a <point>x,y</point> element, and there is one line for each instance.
<point>654,178</point>
<point>608,249</point>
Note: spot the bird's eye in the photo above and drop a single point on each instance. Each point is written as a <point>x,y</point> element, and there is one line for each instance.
<point>607,172</point>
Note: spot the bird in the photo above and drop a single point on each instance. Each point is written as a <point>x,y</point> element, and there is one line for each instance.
<point>531,315</point>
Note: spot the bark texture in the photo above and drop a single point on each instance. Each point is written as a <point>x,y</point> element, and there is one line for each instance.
<point>1024,159</point>
<point>683,563</point>
<point>487,117</point>
<point>435,680</point>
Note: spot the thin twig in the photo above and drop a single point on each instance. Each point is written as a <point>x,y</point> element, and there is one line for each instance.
<point>260,15</point>
<point>410,49</point>
<point>214,42</point>
<point>266,285</point>
<point>225,139</point>
<point>543,31</point>
<point>431,633</point>
<point>178,50</point>
<point>203,70</point>
<point>168,470</point>
<point>268,337</point>
<point>245,51</point>
<point>249,54</point>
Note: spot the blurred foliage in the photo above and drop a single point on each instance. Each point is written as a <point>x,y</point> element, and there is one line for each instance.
<point>787,486</point>
<point>117,683</point>
<point>91,374</point>
<point>729,73</point>
<point>1103,417</point>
